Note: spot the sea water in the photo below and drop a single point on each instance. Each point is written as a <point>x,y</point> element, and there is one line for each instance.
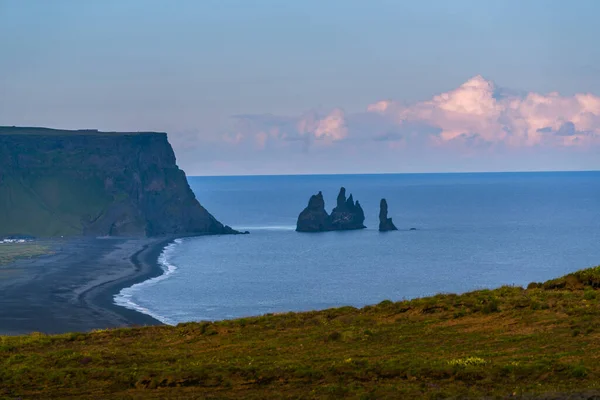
<point>473,231</point>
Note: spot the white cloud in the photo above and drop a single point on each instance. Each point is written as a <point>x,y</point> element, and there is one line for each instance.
<point>475,116</point>
<point>380,106</point>
<point>332,127</point>
<point>479,110</point>
<point>311,127</point>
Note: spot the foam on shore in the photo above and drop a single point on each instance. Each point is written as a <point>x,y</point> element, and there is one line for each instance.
<point>125,297</point>
<point>268,228</point>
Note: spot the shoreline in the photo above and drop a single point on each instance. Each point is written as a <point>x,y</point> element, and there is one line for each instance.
<point>146,266</point>
<point>73,289</point>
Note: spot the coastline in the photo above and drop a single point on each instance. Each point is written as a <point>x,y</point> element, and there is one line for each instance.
<point>73,289</point>
<point>146,266</point>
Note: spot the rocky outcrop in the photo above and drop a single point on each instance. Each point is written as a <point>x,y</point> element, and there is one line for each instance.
<point>385,223</point>
<point>57,182</point>
<point>347,215</point>
<point>314,218</point>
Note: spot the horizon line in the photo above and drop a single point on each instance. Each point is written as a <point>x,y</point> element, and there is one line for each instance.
<point>400,173</point>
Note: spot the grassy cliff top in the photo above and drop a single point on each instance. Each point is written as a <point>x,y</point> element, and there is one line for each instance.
<point>543,341</point>
<point>17,130</point>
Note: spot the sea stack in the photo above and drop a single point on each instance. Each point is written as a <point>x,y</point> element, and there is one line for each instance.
<point>314,218</point>
<point>385,223</point>
<point>347,215</point>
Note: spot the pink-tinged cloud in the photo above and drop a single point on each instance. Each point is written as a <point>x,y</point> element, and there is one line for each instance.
<point>479,111</point>
<point>329,128</point>
<point>332,127</point>
<point>311,128</point>
<point>477,116</point>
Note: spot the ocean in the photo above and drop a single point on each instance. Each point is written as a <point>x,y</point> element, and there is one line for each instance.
<point>473,231</point>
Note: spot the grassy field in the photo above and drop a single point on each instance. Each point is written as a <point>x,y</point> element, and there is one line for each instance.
<point>12,251</point>
<point>508,342</point>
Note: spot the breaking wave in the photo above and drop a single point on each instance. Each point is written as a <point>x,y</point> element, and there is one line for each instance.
<point>125,298</point>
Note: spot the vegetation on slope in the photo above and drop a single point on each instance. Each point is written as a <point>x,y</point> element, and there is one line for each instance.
<point>495,343</point>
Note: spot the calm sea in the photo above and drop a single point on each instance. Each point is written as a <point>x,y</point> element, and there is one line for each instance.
<point>473,231</point>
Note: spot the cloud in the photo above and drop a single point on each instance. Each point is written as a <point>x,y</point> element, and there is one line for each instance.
<point>309,128</point>
<point>332,127</point>
<point>476,115</point>
<point>480,111</point>
<point>567,129</point>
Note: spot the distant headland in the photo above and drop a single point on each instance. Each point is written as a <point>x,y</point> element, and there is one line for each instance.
<point>85,182</point>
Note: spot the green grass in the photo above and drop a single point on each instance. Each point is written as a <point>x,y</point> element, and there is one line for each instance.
<point>488,343</point>
<point>10,252</point>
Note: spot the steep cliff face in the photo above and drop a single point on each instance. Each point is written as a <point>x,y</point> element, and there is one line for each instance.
<point>56,182</point>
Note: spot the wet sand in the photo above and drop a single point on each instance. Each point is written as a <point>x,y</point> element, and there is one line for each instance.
<point>72,290</point>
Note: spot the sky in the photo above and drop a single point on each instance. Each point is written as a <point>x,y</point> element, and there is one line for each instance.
<point>295,87</point>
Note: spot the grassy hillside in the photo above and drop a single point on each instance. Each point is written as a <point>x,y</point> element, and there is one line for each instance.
<point>494,343</point>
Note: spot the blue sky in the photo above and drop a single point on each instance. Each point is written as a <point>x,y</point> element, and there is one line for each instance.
<point>290,86</point>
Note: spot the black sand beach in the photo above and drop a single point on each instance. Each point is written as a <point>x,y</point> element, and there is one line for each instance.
<point>72,290</point>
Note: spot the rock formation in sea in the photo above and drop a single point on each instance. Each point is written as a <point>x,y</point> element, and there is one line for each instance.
<point>314,218</point>
<point>59,182</point>
<point>347,215</point>
<point>385,223</point>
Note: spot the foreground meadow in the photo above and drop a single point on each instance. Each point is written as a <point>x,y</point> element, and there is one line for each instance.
<point>539,342</point>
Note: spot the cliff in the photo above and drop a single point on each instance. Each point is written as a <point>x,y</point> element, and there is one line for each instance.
<point>385,223</point>
<point>347,215</point>
<point>64,183</point>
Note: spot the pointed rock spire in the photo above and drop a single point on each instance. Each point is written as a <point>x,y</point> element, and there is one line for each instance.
<point>314,218</point>
<point>385,223</point>
<point>347,215</point>
<point>341,199</point>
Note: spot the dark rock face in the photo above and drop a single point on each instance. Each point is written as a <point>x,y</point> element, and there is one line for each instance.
<point>346,215</point>
<point>56,182</point>
<point>314,218</point>
<point>385,223</point>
